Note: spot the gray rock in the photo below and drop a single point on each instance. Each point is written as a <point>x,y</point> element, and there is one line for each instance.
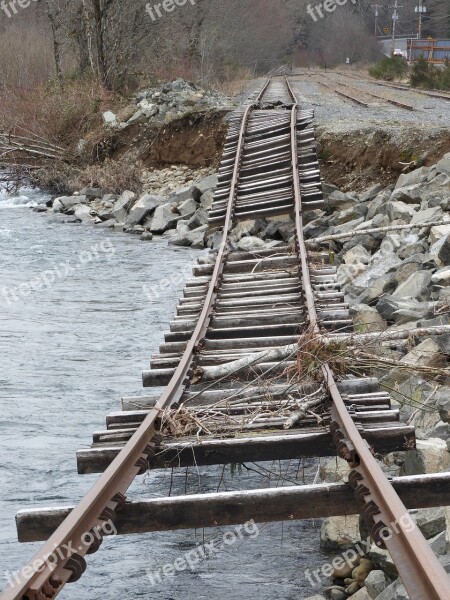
<point>376,582</point>
<point>146,236</point>
<point>339,533</point>
<point>430,521</point>
<point>316,597</point>
<point>425,354</point>
<point>188,207</point>
<point>337,469</point>
<point>357,255</point>
<point>91,193</point>
<point>109,118</point>
<point>442,277</point>
<point>194,238</point>
<point>198,219</point>
<point>430,456</point>
<point>409,250</point>
<point>346,274</point>
<point>396,591</point>
<point>367,319</point>
<point>405,271</point>
<point>339,200</point>
<point>206,184</point>
<point>248,244</point>
<point>164,218</point>
<point>402,310</point>
<point>371,193</point>
<point>123,205</point>
<point>444,251</point>
<point>377,288</point>
<point>412,178</point>
<point>429,215</point>
<point>378,205</point>
<point>68,202</point>
<point>381,265</point>
<point>417,286</point>
<point>207,199</point>
<point>439,231</point>
<point>362,594</point>
<point>144,207</point>
<point>188,193</point>
<point>83,212</point>
<point>441,430</point>
<point>110,223</point>
<point>397,210</point>
<point>410,194</point>
<point>439,544</point>
<point>443,166</point>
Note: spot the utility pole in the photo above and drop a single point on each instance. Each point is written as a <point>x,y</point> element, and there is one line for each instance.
<point>376,7</point>
<point>421,9</point>
<point>394,24</point>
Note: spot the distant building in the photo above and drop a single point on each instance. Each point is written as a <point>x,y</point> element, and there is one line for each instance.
<point>435,51</point>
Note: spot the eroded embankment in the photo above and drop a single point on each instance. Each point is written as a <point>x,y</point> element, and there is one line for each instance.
<point>355,159</point>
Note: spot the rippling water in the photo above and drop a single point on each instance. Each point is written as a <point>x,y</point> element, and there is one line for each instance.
<point>71,344</point>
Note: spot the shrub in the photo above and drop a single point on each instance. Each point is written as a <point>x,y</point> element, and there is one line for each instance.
<point>389,69</point>
<point>427,75</point>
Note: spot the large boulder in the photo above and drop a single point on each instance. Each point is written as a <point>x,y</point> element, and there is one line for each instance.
<point>367,319</point>
<point>441,277</point>
<point>190,192</point>
<point>164,218</point>
<point>340,533</point>
<point>444,251</point>
<point>340,200</point>
<point>402,310</point>
<point>425,354</point>
<point>371,193</point>
<point>378,205</point>
<point>357,255</point>
<point>439,231</point>
<point>429,456</point>
<point>187,208</point>
<point>144,207</point>
<point>69,202</point>
<point>443,166</point>
<point>376,581</point>
<point>429,215</point>
<point>207,183</point>
<point>417,286</point>
<point>382,264</point>
<point>123,205</point>
<point>397,210</point>
<point>396,591</point>
<point>430,521</point>
<point>194,238</point>
<point>412,178</point>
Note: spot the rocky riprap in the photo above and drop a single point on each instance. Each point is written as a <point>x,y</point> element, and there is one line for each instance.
<point>396,280</point>
<point>166,102</point>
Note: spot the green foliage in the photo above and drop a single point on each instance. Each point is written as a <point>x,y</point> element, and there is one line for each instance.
<point>428,76</point>
<point>389,69</point>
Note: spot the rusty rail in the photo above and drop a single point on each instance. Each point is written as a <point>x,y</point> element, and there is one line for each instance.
<point>422,574</point>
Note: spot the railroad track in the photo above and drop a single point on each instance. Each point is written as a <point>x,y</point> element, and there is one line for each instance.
<point>354,94</point>
<point>230,396</point>
<point>396,86</point>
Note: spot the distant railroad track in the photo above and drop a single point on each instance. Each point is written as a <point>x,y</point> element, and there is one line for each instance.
<point>242,303</point>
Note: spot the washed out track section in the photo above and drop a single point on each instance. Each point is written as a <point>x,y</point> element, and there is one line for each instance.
<point>223,405</point>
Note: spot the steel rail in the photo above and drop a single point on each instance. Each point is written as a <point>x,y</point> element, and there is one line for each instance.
<point>43,578</point>
<point>421,572</point>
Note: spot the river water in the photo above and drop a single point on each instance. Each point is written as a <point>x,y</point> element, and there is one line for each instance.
<point>76,330</point>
